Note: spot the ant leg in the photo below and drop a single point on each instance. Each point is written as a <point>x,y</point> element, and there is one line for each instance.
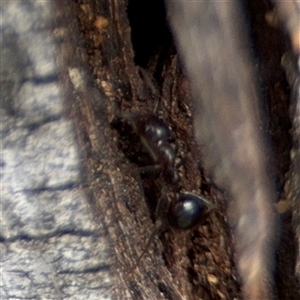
<point>119,116</point>
<point>147,170</point>
<point>158,228</point>
<point>153,169</point>
<point>149,81</point>
<point>162,205</point>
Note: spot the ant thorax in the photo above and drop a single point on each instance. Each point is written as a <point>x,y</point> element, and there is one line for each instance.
<point>158,142</point>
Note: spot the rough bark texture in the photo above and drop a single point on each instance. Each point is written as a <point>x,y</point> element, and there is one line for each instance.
<point>76,212</point>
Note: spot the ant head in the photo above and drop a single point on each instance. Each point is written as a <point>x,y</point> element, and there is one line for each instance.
<point>188,211</point>
<point>153,128</point>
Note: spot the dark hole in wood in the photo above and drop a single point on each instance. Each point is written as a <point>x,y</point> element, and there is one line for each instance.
<point>149,29</point>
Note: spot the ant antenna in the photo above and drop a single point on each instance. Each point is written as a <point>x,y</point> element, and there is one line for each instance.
<point>152,86</point>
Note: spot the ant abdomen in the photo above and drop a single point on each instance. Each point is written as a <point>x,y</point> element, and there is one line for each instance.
<point>188,211</point>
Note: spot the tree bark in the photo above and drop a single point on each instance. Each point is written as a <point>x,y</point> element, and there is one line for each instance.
<point>76,211</point>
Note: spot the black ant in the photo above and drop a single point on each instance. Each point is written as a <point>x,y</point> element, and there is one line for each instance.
<point>157,138</point>
<point>186,210</point>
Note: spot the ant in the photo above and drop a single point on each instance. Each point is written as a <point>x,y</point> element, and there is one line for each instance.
<point>186,210</point>
<point>157,138</point>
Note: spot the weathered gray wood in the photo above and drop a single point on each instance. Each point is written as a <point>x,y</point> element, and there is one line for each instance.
<point>51,247</point>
